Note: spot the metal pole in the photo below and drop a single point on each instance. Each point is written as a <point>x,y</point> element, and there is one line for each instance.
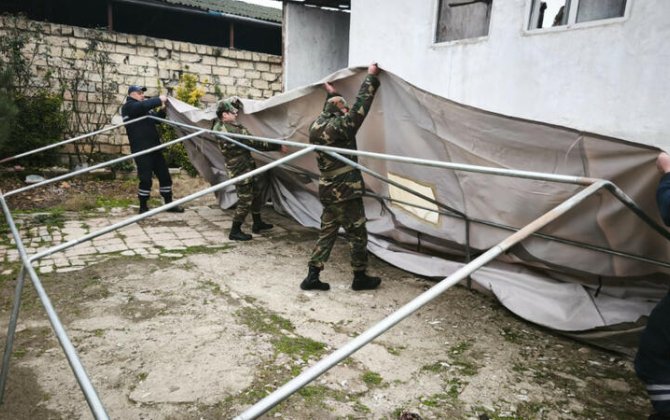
<point>174,203</point>
<point>566,179</point>
<point>219,134</point>
<point>9,344</point>
<point>628,202</point>
<point>408,309</point>
<point>102,165</point>
<point>394,183</point>
<point>537,234</point>
<point>360,167</point>
<point>83,136</point>
<point>92,398</point>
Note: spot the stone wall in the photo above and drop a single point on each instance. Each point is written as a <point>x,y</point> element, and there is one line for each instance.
<point>151,62</point>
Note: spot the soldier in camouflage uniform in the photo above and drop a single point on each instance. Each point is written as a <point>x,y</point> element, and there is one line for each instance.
<point>341,186</point>
<point>239,161</point>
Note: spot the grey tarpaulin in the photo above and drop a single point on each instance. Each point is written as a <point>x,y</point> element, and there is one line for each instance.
<point>557,285</point>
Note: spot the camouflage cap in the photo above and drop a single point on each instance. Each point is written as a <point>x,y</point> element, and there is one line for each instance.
<point>225,106</point>
<point>333,104</point>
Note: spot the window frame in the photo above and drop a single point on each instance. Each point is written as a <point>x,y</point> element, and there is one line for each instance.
<point>430,213</point>
<point>572,19</point>
<point>436,18</point>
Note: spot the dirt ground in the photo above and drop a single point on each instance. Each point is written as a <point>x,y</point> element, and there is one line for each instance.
<point>208,332</point>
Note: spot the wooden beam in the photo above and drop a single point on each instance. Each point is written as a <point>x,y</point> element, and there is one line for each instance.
<point>110,16</point>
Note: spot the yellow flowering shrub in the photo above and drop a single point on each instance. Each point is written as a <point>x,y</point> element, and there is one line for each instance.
<point>188,90</point>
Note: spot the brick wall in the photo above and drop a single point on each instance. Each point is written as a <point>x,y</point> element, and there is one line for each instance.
<point>154,63</point>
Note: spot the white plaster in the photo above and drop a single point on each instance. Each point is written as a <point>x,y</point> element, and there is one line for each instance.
<point>316,40</point>
<point>608,77</point>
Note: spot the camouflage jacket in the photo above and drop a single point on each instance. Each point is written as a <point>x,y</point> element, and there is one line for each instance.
<point>239,159</point>
<point>339,182</point>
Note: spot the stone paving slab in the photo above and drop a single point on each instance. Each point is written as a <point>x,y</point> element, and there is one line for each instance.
<point>164,234</point>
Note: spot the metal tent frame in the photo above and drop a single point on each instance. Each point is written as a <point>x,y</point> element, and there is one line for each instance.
<point>592,186</point>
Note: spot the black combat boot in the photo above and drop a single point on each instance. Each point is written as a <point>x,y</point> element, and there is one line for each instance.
<point>236,233</point>
<point>259,224</point>
<point>144,204</point>
<point>167,197</point>
<point>364,282</point>
<point>312,281</point>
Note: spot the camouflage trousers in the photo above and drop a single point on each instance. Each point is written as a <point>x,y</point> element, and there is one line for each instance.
<point>350,215</point>
<point>250,196</point>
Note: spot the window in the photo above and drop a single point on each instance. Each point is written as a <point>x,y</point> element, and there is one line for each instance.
<point>462,19</point>
<point>414,205</point>
<point>549,13</point>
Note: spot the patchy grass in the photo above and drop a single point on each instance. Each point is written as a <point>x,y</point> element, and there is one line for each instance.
<point>463,358</point>
<point>33,342</point>
<point>314,393</point>
<point>19,353</point>
<point>460,348</point>
<point>204,249</point>
<point>55,218</point>
<point>465,367</point>
<point>395,351</point>
<point>112,202</point>
<point>264,321</point>
<point>435,400</point>
<point>510,335</point>
<point>299,347</point>
<point>359,407</point>
<point>439,366</point>
<point>519,367</point>
<point>312,398</point>
<point>11,271</point>
<point>371,378</point>
<point>570,387</point>
<point>80,203</point>
<point>455,387</point>
<point>5,231</point>
<point>211,286</point>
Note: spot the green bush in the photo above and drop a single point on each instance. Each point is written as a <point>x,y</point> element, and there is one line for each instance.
<point>124,166</point>
<point>7,107</point>
<point>30,116</point>
<point>38,122</point>
<point>176,155</point>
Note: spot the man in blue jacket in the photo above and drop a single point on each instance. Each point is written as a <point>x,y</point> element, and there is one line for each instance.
<point>143,135</point>
<point>652,362</point>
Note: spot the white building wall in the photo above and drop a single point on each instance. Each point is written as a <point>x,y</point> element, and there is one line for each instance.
<point>610,78</point>
<point>317,42</point>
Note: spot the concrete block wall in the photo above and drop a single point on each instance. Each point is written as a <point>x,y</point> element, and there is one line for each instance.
<point>154,63</point>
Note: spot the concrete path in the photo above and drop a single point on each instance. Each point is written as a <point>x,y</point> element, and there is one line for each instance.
<point>208,335</point>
